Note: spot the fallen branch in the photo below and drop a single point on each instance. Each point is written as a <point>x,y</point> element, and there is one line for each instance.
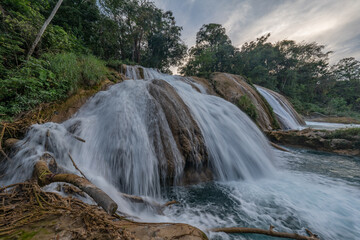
<point>278,147</point>
<point>1,137</point>
<point>44,177</point>
<point>72,160</point>
<point>78,138</point>
<point>269,232</point>
<point>157,206</point>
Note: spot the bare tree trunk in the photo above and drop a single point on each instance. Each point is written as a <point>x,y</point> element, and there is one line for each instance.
<point>43,28</point>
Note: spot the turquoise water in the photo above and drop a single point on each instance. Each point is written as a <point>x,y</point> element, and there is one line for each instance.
<point>313,190</point>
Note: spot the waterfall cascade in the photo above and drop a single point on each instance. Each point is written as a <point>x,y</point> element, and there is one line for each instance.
<point>141,134</point>
<point>285,113</point>
<point>160,130</point>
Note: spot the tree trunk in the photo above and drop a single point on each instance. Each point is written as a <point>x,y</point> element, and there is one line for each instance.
<point>43,28</point>
<point>44,177</point>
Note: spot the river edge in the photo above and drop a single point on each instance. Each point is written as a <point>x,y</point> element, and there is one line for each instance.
<point>59,112</point>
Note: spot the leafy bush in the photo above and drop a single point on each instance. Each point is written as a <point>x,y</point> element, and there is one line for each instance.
<point>245,104</point>
<point>51,78</point>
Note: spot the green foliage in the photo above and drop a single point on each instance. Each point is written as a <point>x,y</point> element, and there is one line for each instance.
<point>92,70</point>
<point>245,104</point>
<point>140,32</point>
<point>345,133</point>
<point>337,104</point>
<point>213,52</point>
<point>300,71</point>
<point>51,78</point>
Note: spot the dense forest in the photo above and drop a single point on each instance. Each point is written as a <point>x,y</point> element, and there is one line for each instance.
<point>300,71</point>
<point>86,37</point>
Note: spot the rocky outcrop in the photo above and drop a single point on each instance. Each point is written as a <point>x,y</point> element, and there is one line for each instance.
<point>345,142</point>
<point>185,131</point>
<point>232,88</point>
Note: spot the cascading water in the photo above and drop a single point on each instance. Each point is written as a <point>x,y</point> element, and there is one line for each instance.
<point>133,134</point>
<point>131,142</point>
<point>286,115</point>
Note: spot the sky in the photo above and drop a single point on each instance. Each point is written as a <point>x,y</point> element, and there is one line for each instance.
<point>333,23</point>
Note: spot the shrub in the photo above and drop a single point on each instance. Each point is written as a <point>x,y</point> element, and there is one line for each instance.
<point>51,78</point>
<point>245,104</point>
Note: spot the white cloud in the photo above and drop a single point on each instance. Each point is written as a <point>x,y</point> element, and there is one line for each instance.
<point>334,23</point>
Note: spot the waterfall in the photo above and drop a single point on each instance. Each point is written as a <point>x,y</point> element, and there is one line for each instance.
<point>285,113</point>
<point>144,134</point>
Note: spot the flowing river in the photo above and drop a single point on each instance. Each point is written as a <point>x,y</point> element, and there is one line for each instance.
<point>129,139</point>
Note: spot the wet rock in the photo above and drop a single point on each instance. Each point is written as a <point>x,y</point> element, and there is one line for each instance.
<point>185,131</point>
<point>231,88</point>
<point>318,140</point>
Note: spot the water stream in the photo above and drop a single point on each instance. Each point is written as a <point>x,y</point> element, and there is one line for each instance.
<point>126,129</point>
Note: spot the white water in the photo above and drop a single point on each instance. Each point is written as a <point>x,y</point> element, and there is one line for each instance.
<point>329,126</point>
<point>314,191</point>
<point>122,128</point>
<point>283,111</point>
<point>319,192</point>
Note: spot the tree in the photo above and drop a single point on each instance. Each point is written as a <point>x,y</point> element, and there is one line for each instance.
<point>213,52</point>
<point>43,28</point>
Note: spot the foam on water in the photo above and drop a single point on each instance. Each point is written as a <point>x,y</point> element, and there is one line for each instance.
<point>119,126</point>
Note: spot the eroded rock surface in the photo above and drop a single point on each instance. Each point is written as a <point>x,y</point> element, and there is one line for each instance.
<point>231,88</point>
<point>328,141</point>
<point>185,131</point>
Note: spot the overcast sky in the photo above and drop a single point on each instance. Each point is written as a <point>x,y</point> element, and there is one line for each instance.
<point>334,23</point>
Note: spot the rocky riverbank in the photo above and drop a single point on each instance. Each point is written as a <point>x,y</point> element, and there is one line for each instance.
<point>342,141</point>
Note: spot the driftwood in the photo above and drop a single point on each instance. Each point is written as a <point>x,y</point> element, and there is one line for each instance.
<point>278,147</point>
<point>44,177</point>
<point>157,206</point>
<point>78,138</point>
<point>269,232</point>
<point>72,160</point>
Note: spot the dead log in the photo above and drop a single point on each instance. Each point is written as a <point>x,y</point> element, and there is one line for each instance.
<point>269,232</point>
<point>44,177</point>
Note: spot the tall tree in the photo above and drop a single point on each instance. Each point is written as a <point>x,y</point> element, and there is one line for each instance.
<point>213,52</point>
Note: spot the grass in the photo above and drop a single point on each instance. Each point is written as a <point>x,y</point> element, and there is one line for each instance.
<point>51,78</point>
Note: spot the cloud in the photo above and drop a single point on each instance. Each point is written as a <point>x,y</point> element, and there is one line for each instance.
<point>333,23</point>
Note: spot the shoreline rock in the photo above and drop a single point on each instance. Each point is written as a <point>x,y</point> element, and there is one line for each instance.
<point>343,142</point>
